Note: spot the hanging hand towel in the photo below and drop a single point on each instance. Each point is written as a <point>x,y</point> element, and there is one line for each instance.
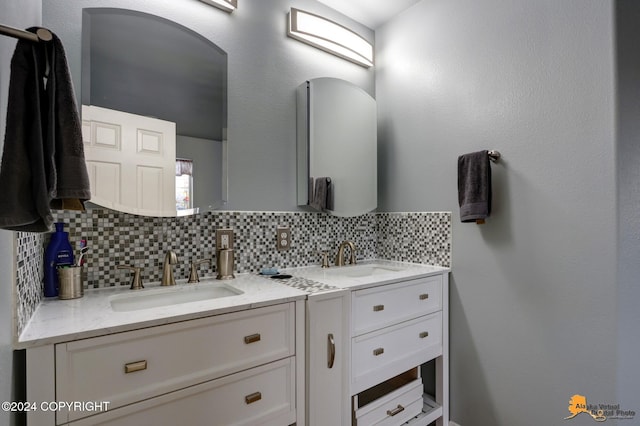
<point>474,186</point>
<point>43,164</point>
<point>322,195</point>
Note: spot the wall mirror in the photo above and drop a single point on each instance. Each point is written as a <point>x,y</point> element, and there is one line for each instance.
<point>337,142</point>
<point>154,111</point>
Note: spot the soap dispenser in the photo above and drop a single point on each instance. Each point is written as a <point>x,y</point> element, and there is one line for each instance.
<point>58,253</point>
<point>224,264</point>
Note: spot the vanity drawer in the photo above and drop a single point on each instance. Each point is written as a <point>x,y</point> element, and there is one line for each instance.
<point>128,367</point>
<point>263,395</point>
<point>395,408</point>
<point>382,354</point>
<point>378,307</point>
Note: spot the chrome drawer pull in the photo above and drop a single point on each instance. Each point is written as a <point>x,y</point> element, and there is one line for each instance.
<point>331,351</point>
<point>252,339</point>
<point>378,308</point>
<point>398,409</point>
<point>378,351</point>
<point>424,334</point>
<point>254,397</point>
<point>135,366</point>
<point>424,296</point>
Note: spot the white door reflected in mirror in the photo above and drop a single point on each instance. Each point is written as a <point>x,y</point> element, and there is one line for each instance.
<point>131,161</point>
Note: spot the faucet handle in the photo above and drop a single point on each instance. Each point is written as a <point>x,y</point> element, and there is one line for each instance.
<point>136,281</point>
<point>193,270</point>
<point>325,258</point>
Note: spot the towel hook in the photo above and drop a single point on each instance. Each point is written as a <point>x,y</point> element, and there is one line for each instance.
<point>494,155</point>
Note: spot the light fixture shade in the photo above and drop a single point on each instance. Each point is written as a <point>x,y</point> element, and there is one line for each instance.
<point>329,36</point>
<point>226,5</point>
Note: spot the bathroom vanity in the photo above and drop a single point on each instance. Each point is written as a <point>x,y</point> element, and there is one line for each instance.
<point>367,342</point>
<point>335,346</point>
<point>217,361</point>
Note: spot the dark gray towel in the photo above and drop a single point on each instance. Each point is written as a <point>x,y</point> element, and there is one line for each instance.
<point>43,166</point>
<point>322,194</point>
<point>474,186</point>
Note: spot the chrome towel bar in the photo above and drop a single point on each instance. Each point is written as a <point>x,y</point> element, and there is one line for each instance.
<point>42,34</point>
<point>494,155</point>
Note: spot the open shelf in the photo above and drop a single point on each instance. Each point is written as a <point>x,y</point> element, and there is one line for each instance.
<point>431,411</point>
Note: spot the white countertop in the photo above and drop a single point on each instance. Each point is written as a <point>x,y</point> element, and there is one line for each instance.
<point>56,321</point>
<point>355,277</point>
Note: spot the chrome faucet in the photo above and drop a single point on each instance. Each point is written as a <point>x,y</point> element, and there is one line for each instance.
<point>170,258</point>
<point>340,255</point>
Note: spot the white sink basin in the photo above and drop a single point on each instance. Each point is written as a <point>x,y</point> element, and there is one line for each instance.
<point>336,274</point>
<point>366,270</point>
<point>153,298</point>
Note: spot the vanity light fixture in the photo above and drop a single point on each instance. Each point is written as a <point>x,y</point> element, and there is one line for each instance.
<point>329,36</point>
<point>226,5</point>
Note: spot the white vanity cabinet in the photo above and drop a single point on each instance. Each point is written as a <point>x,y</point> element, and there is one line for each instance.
<point>328,359</point>
<point>232,369</point>
<point>348,352</point>
<point>395,329</point>
<point>366,345</point>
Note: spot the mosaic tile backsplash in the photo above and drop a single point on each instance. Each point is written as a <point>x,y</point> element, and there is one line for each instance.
<point>123,239</point>
<point>29,274</point>
<point>414,237</point>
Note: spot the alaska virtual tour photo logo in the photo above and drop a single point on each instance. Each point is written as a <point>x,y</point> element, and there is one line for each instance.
<point>599,412</point>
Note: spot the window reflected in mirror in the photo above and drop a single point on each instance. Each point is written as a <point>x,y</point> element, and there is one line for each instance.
<point>184,184</point>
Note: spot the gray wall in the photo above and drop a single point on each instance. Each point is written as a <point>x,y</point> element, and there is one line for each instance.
<point>21,14</point>
<point>628,62</point>
<point>265,67</point>
<point>533,291</point>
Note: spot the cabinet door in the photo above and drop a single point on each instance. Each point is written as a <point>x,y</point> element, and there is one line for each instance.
<point>328,354</point>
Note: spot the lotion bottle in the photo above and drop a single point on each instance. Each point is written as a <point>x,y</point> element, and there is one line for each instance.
<point>58,253</point>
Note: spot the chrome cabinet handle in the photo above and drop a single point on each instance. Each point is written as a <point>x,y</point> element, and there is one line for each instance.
<point>254,397</point>
<point>132,367</point>
<point>331,350</point>
<point>398,409</point>
<point>252,338</point>
<point>378,308</point>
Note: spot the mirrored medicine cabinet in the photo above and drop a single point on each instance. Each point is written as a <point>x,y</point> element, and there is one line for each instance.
<point>337,141</point>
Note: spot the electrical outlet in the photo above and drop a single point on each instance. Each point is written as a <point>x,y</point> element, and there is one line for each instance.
<point>283,238</point>
<point>224,239</point>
